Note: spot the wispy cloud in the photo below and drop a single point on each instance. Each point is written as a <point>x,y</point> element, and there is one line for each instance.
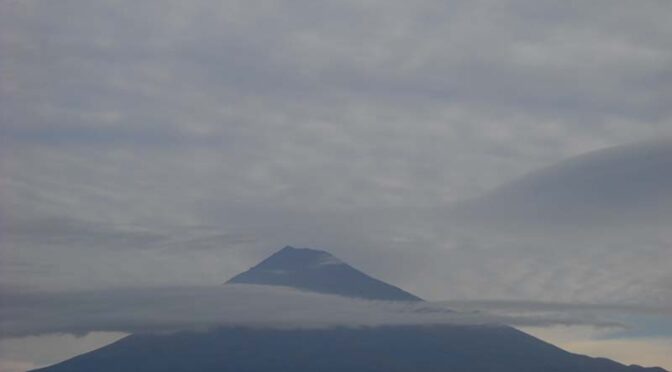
<point>539,306</point>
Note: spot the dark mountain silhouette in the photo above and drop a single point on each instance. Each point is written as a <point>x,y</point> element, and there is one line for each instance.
<point>318,271</point>
<point>384,349</point>
<point>373,349</point>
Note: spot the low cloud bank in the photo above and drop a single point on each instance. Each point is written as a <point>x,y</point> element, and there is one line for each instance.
<point>201,308</point>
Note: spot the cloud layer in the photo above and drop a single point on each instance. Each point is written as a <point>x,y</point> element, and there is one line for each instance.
<point>201,308</point>
<point>241,128</point>
<point>161,144</point>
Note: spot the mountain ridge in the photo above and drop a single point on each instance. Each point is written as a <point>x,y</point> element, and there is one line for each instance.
<point>319,271</point>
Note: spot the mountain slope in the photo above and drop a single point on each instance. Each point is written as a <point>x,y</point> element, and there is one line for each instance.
<point>319,271</point>
<point>384,349</point>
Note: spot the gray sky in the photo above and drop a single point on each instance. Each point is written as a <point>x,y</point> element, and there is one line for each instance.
<point>169,144</point>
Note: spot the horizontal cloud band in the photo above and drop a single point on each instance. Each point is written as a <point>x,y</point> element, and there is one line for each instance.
<point>201,308</point>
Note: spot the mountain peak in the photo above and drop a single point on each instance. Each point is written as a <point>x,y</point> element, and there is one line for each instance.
<point>290,258</point>
<point>318,271</point>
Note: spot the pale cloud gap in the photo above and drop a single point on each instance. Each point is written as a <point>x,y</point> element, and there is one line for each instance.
<point>31,352</point>
<point>653,351</point>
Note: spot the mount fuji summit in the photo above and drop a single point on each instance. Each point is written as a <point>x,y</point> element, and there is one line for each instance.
<point>318,271</point>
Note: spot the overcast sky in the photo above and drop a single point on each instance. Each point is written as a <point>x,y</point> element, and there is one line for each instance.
<point>170,143</point>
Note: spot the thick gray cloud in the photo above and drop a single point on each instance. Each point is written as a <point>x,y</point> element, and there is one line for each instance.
<point>162,143</point>
<point>592,228</point>
<point>167,143</point>
<point>613,186</point>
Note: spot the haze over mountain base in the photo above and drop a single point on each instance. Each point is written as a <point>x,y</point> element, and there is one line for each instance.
<point>384,349</point>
